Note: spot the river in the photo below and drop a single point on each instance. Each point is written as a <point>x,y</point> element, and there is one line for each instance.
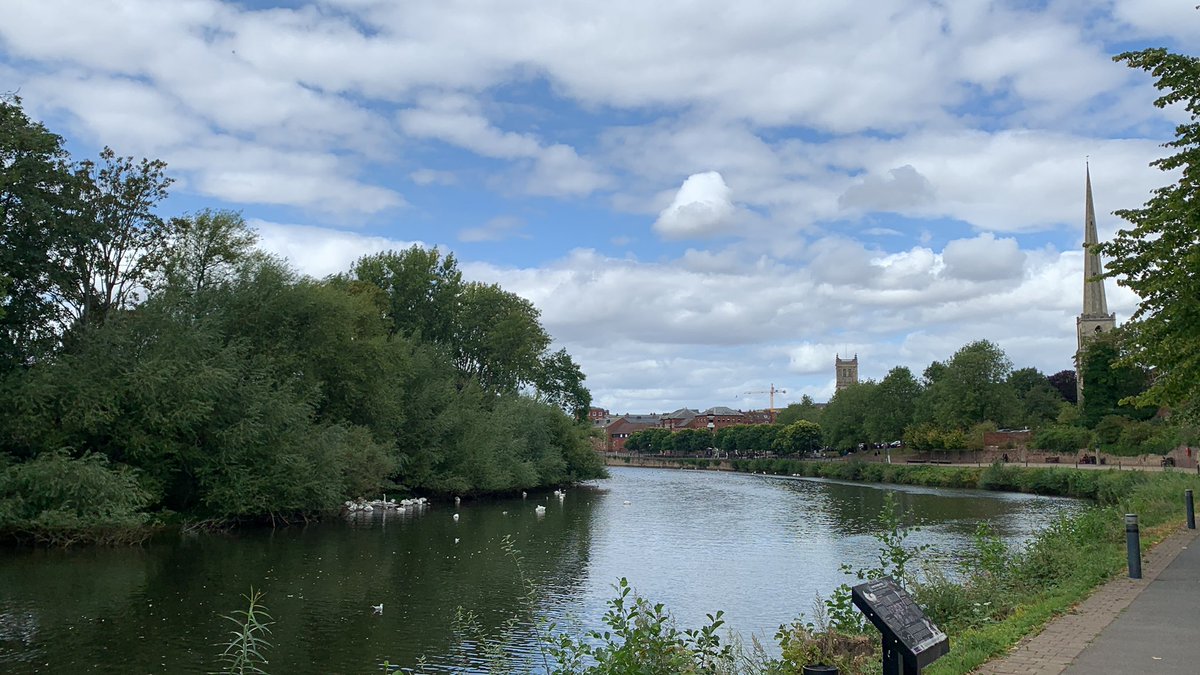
<point>758,547</point>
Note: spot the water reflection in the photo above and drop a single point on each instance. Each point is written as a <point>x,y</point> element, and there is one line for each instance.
<point>758,547</point>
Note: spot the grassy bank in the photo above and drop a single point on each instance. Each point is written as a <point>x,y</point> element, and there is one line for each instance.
<point>1003,596</point>
<point>1104,487</point>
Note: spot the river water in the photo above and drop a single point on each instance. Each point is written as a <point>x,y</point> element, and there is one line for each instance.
<point>758,547</point>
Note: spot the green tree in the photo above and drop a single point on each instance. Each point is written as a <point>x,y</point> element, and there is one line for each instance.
<point>806,409</point>
<point>893,404</point>
<point>844,421</point>
<point>1110,377</point>
<point>1039,400</point>
<point>497,338</point>
<point>422,290</point>
<point>1159,256</point>
<point>38,203</point>
<point>122,244</point>
<point>971,387</point>
<point>798,437</point>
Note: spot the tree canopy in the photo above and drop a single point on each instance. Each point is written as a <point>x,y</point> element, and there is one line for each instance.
<point>1158,256</point>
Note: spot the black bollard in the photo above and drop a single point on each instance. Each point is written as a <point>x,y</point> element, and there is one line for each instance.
<point>1133,546</point>
<point>819,669</point>
<point>1191,509</point>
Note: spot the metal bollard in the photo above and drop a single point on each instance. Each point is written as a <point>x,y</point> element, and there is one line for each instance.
<point>1191,509</point>
<point>819,669</point>
<point>1133,546</point>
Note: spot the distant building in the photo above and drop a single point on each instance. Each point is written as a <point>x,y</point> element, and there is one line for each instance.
<point>596,414</point>
<point>680,419</point>
<point>846,371</point>
<point>617,431</point>
<point>1095,318</point>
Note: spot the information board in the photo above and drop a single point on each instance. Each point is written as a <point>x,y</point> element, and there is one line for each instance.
<point>895,614</point>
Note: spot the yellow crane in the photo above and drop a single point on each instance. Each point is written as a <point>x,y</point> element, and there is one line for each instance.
<point>772,391</point>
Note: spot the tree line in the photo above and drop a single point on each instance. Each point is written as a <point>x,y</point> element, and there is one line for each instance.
<point>154,365</point>
<point>957,401</point>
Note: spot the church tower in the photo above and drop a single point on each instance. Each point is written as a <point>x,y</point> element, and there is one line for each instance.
<point>846,370</point>
<point>1095,318</point>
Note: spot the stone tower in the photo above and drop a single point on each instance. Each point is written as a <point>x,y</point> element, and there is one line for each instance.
<point>846,370</point>
<point>1095,318</point>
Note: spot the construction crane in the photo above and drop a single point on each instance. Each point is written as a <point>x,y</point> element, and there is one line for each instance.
<point>772,391</point>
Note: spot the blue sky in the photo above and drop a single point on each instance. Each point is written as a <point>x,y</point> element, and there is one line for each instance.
<point>702,198</point>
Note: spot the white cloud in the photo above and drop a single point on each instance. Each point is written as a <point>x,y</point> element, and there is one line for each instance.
<point>702,206</point>
<point>424,177</point>
<point>320,251</point>
<point>496,229</point>
<point>983,258</point>
<point>904,188</point>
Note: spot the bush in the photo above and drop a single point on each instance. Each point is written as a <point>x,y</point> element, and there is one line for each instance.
<point>61,500</point>
<point>1062,438</point>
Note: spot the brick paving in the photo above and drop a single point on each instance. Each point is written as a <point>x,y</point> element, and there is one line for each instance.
<point>1063,639</point>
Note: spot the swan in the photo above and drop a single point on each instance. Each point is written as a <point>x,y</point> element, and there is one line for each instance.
<point>456,517</point>
<point>539,509</point>
<point>524,494</point>
<point>627,502</point>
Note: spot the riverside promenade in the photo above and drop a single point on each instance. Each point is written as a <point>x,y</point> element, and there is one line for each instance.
<point>1126,626</point>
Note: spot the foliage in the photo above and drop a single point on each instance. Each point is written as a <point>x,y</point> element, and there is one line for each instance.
<point>892,405</point>
<point>844,421</point>
<point>641,638</point>
<point>798,437</point>
<point>971,387</point>
<point>122,245</point>
<point>244,651</point>
<point>1159,255</point>
<point>38,196</point>
<point>1111,382</point>
<point>805,409</point>
<point>1064,383</point>
<point>1063,438</point>
<point>61,500</point>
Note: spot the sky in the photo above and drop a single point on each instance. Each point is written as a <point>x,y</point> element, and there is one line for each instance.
<point>703,199</point>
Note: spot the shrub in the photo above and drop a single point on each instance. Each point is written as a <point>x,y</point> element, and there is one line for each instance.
<point>61,500</point>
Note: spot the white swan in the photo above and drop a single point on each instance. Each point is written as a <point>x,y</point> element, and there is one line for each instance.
<point>539,509</point>
<point>456,517</point>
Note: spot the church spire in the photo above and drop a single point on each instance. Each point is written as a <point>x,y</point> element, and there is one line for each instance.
<point>1095,318</point>
<point>1094,303</point>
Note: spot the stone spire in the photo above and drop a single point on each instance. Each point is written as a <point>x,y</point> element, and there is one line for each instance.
<point>1095,318</point>
<point>1094,304</point>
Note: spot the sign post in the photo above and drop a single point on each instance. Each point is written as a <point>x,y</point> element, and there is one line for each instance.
<point>910,640</point>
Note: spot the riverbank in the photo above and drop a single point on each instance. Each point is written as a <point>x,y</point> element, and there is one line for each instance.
<point>991,610</point>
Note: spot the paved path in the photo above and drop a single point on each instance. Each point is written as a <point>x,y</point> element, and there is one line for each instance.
<point>1124,624</point>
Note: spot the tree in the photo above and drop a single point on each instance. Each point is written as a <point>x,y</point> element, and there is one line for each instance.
<point>1109,378</point>
<point>497,339</point>
<point>122,245</point>
<point>38,201</point>
<point>806,409</point>
<point>893,404</point>
<point>845,417</point>
<point>422,290</point>
<point>207,246</point>
<point>970,388</point>
<point>559,382</point>
<point>1158,258</point>
<point>798,437</point>
<point>1039,400</point>
<point>1064,382</point>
